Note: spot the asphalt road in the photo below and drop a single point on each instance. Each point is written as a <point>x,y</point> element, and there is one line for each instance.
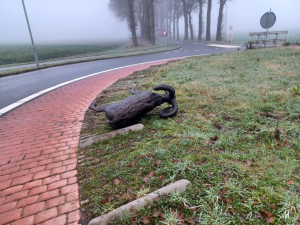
<point>16,87</point>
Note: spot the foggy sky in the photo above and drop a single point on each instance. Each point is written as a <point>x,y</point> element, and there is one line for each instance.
<point>90,21</point>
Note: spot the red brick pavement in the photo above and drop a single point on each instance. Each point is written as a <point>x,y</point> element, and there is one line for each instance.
<point>38,145</point>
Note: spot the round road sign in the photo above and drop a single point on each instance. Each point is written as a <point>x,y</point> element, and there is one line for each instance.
<point>165,33</point>
<point>268,17</point>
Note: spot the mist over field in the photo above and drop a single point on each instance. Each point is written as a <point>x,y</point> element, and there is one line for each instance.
<point>91,21</point>
<point>60,22</point>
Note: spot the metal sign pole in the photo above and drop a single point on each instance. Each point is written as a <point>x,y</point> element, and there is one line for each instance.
<point>267,28</point>
<point>34,50</point>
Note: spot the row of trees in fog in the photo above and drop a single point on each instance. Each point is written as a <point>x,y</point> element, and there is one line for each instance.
<point>153,17</point>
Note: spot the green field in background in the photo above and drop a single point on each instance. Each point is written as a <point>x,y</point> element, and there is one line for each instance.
<point>12,54</point>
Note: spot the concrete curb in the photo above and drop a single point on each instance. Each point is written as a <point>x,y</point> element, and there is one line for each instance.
<point>92,140</point>
<point>133,207</point>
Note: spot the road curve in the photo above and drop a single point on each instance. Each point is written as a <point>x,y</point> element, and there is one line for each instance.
<point>17,87</point>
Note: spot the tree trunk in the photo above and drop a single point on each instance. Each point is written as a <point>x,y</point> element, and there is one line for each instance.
<point>191,26</point>
<point>169,20</point>
<point>141,26</point>
<point>176,8</point>
<point>166,25</point>
<point>208,21</point>
<point>131,22</point>
<point>174,17</point>
<point>186,25</point>
<point>144,24</point>
<point>162,25</point>
<point>139,14</point>
<point>200,31</point>
<point>220,20</point>
<point>169,26</point>
<point>148,20</point>
<point>177,22</point>
<point>152,23</point>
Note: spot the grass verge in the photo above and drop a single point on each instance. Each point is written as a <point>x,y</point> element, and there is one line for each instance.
<point>236,138</point>
<point>140,51</point>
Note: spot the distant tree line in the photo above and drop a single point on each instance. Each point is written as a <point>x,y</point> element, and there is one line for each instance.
<point>152,17</point>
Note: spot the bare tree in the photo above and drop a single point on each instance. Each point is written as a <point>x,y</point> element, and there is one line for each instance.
<point>139,16</point>
<point>220,20</point>
<point>201,22</point>
<point>179,13</point>
<point>131,22</point>
<point>152,22</point>
<point>174,17</point>
<point>159,9</point>
<point>147,19</point>
<point>191,6</point>
<point>125,10</point>
<point>186,22</point>
<point>119,8</point>
<point>165,12</point>
<point>188,7</point>
<point>208,15</point>
<point>170,19</point>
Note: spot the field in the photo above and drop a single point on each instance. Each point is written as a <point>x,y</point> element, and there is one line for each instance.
<point>19,54</point>
<point>13,54</point>
<point>236,138</point>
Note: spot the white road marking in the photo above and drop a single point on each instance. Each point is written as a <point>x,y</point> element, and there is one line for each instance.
<point>207,49</point>
<point>27,99</point>
<point>223,46</point>
<point>10,107</point>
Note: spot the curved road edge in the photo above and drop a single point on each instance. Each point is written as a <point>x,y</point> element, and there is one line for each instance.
<point>24,68</point>
<point>17,104</point>
<point>38,147</point>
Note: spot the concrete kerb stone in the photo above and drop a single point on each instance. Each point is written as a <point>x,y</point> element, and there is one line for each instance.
<point>133,207</point>
<point>92,140</point>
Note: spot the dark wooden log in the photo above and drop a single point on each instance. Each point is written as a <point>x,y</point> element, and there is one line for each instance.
<point>130,109</point>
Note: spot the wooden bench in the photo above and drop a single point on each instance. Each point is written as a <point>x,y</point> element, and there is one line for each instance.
<point>258,39</point>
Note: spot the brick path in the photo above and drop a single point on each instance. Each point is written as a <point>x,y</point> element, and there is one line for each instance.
<point>38,145</point>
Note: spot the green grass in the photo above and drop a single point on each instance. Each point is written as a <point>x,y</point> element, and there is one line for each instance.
<point>13,54</point>
<point>236,138</point>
